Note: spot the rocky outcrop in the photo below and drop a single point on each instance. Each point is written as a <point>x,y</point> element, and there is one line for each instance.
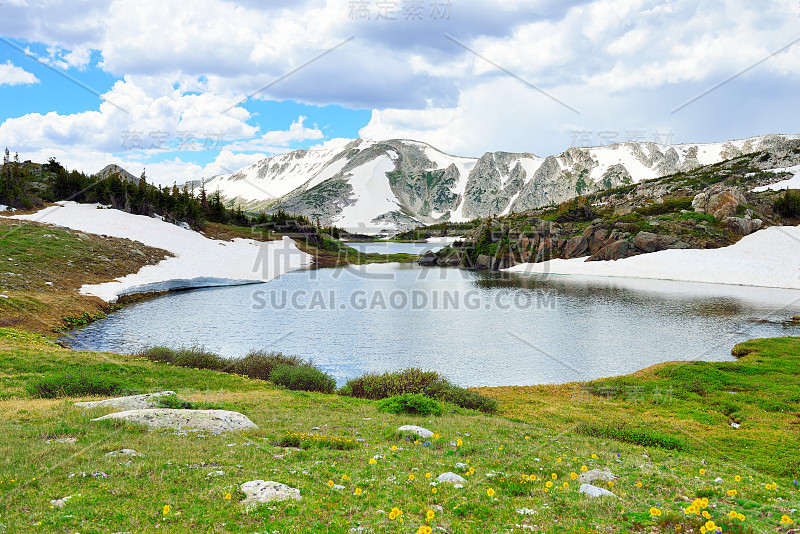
<point>133,402</point>
<point>719,201</point>
<point>210,420</point>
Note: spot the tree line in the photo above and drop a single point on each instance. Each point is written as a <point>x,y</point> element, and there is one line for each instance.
<point>26,185</point>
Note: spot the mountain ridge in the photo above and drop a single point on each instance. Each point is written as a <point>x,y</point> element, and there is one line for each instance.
<point>389,185</point>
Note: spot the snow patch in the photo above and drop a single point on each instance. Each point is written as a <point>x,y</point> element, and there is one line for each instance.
<point>198,261</point>
<point>767,258</point>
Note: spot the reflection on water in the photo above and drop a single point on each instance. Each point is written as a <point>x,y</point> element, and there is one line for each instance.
<point>477,329</point>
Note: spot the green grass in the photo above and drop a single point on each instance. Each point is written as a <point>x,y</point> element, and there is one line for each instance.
<point>312,441</point>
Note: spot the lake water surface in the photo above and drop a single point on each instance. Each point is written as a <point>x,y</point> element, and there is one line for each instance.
<point>475,328</point>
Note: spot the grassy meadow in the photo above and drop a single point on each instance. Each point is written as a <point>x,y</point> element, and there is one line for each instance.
<point>665,432</point>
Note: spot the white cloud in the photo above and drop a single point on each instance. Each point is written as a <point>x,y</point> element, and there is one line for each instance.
<point>13,75</point>
<point>277,140</point>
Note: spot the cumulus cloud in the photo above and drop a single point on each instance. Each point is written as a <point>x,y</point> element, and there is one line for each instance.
<point>277,140</point>
<point>625,65</point>
<point>10,74</point>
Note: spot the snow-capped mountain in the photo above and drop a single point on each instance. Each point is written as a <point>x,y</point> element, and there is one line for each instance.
<point>369,186</point>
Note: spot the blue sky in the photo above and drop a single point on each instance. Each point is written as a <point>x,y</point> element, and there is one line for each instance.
<point>189,93</point>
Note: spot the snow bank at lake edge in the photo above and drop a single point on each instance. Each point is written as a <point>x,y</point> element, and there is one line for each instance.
<point>198,261</point>
<point>767,258</point>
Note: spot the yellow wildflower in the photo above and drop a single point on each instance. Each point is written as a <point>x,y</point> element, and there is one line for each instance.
<point>373,461</point>
<point>330,483</point>
<point>490,492</point>
<point>429,515</point>
<point>227,497</point>
<point>166,509</point>
<point>655,511</point>
<point>358,491</point>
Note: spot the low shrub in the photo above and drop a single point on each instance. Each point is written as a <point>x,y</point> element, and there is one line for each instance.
<point>699,217</point>
<point>72,384</point>
<point>410,403</point>
<point>380,386</point>
<point>627,434</point>
<point>416,381</point>
<point>259,364</point>
<point>788,205</point>
<point>669,205</point>
<point>195,357</point>
<point>303,378</point>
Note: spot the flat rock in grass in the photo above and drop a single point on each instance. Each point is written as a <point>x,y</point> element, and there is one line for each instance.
<point>60,503</point>
<point>133,402</point>
<point>588,477</point>
<point>210,420</point>
<point>263,491</point>
<point>451,477</point>
<point>594,491</point>
<point>123,452</point>
<point>418,430</point>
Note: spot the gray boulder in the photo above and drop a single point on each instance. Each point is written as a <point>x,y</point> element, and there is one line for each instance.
<point>614,251</point>
<point>744,226</point>
<point>588,477</point>
<point>211,420</point>
<point>451,478</point>
<point>428,259</point>
<point>263,491</point>
<point>718,200</point>
<point>133,402</point>
<point>576,246</point>
<point>418,430</point>
<point>594,491</point>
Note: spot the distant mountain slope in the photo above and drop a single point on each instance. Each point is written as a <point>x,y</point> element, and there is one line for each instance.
<point>110,169</point>
<point>395,184</point>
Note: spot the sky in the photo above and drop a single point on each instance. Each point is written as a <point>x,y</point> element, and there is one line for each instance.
<point>190,92</point>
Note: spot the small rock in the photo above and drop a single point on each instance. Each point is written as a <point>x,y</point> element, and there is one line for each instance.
<point>60,503</point>
<point>458,486</point>
<point>263,491</point>
<point>68,440</point>
<point>451,477</point>
<point>594,491</point>
<point>338,487</point>
<point>418,430</point>
<point>735,425</point>
<point>596,474</point>
<point>215,474</point>
<point>718,480</point>
<point>124,452</point>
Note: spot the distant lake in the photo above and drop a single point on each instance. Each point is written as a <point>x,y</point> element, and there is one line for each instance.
<point>475,328</point>
<point>389,247</point>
